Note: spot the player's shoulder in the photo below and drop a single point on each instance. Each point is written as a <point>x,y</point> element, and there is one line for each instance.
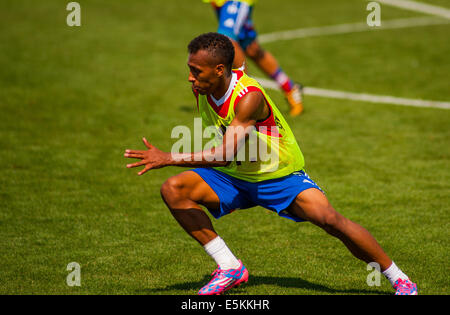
<point>245,84</point>
<point>249,96</point>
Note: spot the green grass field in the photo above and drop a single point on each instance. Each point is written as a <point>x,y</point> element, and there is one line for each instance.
<point>72,99</point>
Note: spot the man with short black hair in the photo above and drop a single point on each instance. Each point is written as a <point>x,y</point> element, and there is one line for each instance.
<point>231,101</point>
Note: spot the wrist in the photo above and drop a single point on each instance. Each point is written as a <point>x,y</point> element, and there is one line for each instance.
<point>170,160</point>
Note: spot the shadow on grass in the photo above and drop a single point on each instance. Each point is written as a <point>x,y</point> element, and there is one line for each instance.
<point>286,282</point>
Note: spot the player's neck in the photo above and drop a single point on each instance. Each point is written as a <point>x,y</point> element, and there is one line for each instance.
<point>223,88</point>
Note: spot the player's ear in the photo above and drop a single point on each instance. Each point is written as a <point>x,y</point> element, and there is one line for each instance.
<point>220,70</point>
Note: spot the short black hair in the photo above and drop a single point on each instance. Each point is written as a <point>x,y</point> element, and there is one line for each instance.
<point>220,47</point>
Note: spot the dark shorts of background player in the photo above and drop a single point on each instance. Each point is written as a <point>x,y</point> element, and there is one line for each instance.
<point>235,22</point>
<point>274,194</point>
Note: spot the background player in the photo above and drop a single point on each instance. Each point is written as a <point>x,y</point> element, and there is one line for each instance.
<point>235,22</point>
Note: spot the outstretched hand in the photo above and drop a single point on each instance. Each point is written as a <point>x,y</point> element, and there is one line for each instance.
<point>152,158</point>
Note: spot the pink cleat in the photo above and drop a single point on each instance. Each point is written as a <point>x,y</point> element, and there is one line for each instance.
<point>405,287</point>
<point>224,280</point>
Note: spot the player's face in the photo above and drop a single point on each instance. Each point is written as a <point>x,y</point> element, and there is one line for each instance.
<point>204,75</point>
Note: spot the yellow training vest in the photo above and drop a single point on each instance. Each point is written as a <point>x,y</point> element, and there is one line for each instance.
<point>271,150</point>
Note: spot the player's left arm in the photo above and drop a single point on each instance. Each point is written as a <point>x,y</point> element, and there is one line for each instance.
<point>248,111</point>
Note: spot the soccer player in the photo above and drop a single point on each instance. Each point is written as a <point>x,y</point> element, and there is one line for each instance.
<point>235,21</point>
<point>231,101</point>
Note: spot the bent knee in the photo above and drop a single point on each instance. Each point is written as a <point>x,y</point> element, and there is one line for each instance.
<point>171,188</point>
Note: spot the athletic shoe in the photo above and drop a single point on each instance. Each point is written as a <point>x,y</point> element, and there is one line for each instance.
<point>224,280</point>
<point>405,287</point>
<point>295,99</point>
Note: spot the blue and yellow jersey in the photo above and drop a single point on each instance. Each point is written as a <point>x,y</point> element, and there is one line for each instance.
<point>219,3</point>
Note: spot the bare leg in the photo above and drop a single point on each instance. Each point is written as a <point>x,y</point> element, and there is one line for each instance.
<point>262,58</point>
<point>183,195</point>
<point>269,65</point>
<point>313,206</point>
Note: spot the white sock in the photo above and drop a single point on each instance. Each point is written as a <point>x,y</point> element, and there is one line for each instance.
<point>393,273</point>
<point>220,252</point>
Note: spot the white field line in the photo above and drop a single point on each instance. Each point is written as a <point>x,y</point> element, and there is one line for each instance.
<point>418,7</point>
<point>363,27</point>
<point>349,28</point>
<point>361,96</point>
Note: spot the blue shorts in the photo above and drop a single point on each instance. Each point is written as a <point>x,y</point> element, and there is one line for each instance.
<point>274,194</point>
<point>236,23</point>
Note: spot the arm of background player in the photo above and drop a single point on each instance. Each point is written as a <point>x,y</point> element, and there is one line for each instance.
<point>249,109</point>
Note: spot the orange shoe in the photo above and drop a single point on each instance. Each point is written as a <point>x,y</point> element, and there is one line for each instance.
<point>295,99</point>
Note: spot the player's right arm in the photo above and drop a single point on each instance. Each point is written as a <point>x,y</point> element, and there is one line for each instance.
<point>249,110</point>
